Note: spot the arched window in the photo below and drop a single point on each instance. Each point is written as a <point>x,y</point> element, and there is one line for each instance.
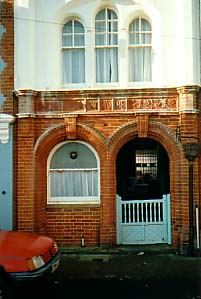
<point>73,48</point>
<point>73,174</point>
<point>106,30</point>
<point>140,51</point>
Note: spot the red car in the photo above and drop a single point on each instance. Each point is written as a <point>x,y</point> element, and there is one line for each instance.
<point>25,256</point>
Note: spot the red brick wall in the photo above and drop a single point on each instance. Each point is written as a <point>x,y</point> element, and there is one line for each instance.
<point>7,55</point>
<point>7,59</point>
<point>107,131</point>
<point>39,132</point>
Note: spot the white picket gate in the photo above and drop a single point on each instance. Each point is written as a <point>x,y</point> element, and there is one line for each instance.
<point>143,221</point>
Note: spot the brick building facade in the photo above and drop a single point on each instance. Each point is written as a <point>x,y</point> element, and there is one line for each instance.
<point>6,113</point>
<point>81,140</point>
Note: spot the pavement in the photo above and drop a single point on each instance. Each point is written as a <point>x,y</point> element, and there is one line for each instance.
<point>121,272</point>
<point>129,262</point>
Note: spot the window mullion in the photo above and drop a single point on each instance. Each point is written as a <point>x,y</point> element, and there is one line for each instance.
<point>106,28</point>
<point>140,31</point>
<point>73,34</point>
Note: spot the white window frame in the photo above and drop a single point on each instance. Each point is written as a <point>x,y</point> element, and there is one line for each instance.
<point>73,47</point>
<point>107,45</point>
<point>125,18</point>
<point>74,199</point>
<point>140,45</point>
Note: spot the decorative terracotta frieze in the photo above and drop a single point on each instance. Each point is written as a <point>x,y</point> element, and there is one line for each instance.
<point>97,101</point>
<point>106,105</point>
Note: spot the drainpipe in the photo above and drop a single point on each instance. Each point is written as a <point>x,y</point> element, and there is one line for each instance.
<point>197,229</point>
<point>191,151</point>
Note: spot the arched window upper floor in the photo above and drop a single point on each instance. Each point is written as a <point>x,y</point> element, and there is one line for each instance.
<point>106,55</point>
<point>140,50</point>
<point>73,52</point>
<point>106,45</point>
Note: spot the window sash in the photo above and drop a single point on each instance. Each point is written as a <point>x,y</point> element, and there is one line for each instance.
<point>74,66</point>
<point>73,46</point>
<point>140,64</point>
<point>142,38</point>
<point>106,65</point>
<point>71,41</point>
<point>73,34</point>
<point>106,32</point>
<point>147,162</point>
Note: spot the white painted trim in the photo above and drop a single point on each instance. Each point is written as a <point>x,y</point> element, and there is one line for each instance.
<point>5,121</point>
<point>129,227</point>
<point>72,200</point>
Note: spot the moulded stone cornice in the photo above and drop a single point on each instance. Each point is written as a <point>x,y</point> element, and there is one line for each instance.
<point>121,92</point>
<point>190,111</point>
<point>6,118</point>
<point>25,92</point>
<point>189,89</point>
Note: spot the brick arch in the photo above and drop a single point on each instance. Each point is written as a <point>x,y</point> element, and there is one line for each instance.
<point>160,132</point>
<point>46,142</point>
<point>121,136</point>
<point>166,137</point>
<point>57,134</point>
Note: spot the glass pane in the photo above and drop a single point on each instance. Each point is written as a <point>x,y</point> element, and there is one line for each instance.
<point>134,26</point>
<point>67,28</point>
<point>134,71</point>
<point>140,68</point>
<point>112,27</point>
<point>145,25</point>
<point>100,39</point>
<point>79,40</point>
<point>134,35</point>
<point>101,15</point>
<point>146,172</point>
<point>74,66</point>
<point>134,39</point>
<point>67,66</point>
<point>74,183</point>
<point>100,27</point>
<point>62,157</point>
<point>111,15</point>
<point>112,39</point>
<point>147,163</point>
<point>78,27</point>
<point>146,38</point>
<point>67,41</point>
<point>107,65</point>
<point>78,62</point>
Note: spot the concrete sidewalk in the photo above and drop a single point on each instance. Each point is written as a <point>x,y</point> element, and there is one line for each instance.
<point>119,249</point>
<point>129,262</point>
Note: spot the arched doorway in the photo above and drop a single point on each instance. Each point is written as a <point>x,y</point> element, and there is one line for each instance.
<point>143,193</point>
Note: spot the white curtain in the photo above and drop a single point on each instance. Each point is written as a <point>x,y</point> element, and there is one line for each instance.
<point>106,65</point>
<point>140,63</point>
<point>74,183</point>
<point>106,46</point>
<point>140,51</point>
<point>73,66</point>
